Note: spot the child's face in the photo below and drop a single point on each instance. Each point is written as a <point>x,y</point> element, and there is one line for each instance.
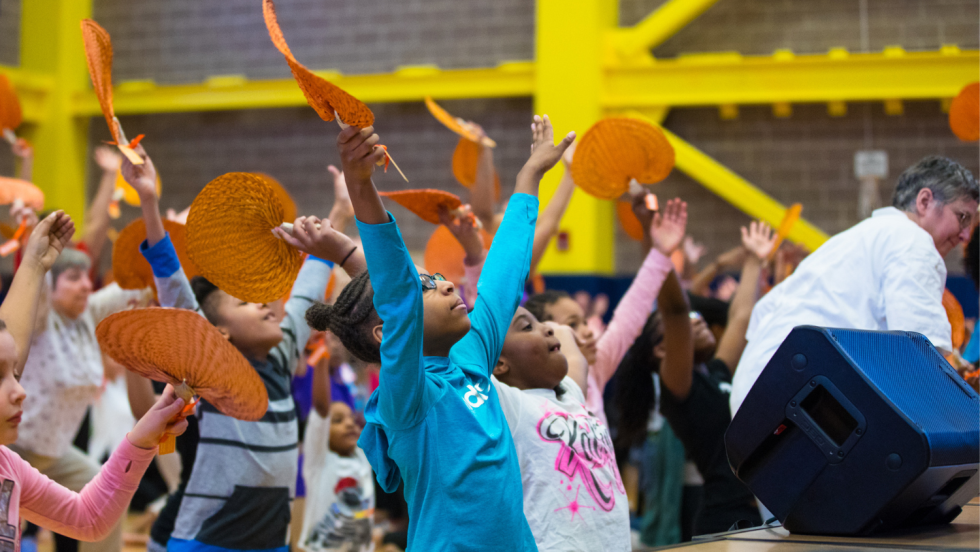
<point>343,431</point>
<point>446,320</point>
<point>250,327</point>
<point>70,294</point>
<point>567,312</point>
<point>531,357</point>
<point>11,393</point>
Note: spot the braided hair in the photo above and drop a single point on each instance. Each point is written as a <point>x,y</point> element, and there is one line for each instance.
<point>351,318</point>
<point>635,395</point>
<point>538,302</point>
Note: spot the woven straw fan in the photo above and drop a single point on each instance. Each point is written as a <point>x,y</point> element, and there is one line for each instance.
<point>230,238</point>
<point>426,202</point>
<point>98,57</point>
<point>18,192</point>
<point>617,150</point>
<point>182,348</point>
<point>10,112</point>
<point>462,127</point>
<point>964,113</point>
<point>327,99</point>
<point>785,227</point>
<point>444,254</point>
<point>131,270</point>
<point>465,159</point>
<point>288,204</point>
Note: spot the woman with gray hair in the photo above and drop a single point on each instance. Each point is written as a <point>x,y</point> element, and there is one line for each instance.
<point>64,373</point>
<point>885,273</point>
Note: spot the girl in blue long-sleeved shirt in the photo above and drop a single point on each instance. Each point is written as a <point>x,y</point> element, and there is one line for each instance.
<point>435,421</point>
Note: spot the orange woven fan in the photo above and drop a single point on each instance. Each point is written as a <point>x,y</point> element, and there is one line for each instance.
<point>13,189</point>
<point>182,348</point>
<point>130,268</point>
<point>327,99</point>
<point>425,202</point>
<point>457,125</point>
<point>230,239</point>
<point>465,159</point>
<point>627,218</point>
<point>954,312</point>
<point>786,226</point>
<point>288,204</point>
<point>98,56</point>
<point>10,113</point>
<point>444,254</point>
<point>964,113</point>
<point>617,150</point>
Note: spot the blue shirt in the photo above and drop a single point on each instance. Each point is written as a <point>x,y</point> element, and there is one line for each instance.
<point>436,422</point>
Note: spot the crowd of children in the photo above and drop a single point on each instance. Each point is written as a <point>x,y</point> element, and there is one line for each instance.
<point>405,411</point>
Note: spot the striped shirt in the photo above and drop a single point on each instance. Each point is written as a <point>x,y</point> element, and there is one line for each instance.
<point>244,477</point>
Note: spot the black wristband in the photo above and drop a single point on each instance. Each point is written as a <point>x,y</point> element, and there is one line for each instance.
<point>348,256</point>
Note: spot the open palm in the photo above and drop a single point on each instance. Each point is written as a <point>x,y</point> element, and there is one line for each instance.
<point>758,239</point>
<point>669,226</point>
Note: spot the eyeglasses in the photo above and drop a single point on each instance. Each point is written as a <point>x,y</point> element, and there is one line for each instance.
<point>429,281</point>
<point>965,219</point>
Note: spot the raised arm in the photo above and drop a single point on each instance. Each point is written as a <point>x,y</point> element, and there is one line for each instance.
<point>578,367</point>
<point>666,232</point>
<point>508,262</point>
<point>92,513</point>
<point>97,215</point>
<point>19,309</point>
<point>678,363</point>
<point>483,194</point>
<point>22,149</point>
<point>758,240</point>
<point>342,212</point>
<point>549,220</point>
<point>468,236</point>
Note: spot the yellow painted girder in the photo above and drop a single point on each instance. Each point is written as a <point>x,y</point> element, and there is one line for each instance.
<point>654,29</point>
<point>32,90</point>
<point>736,190</point>
<point>728,79</point>
<point>236,92</point>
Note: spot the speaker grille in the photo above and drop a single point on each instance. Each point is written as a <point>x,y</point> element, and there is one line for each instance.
<point>922,385</point>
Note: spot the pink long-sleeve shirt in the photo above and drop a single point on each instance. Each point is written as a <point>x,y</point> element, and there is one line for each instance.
<point>627,322</point>
<point>88,515</point>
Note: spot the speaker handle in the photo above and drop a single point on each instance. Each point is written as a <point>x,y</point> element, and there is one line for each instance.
<point>827,417</point>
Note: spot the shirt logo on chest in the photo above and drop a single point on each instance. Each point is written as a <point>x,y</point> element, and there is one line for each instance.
<point>475,397</point>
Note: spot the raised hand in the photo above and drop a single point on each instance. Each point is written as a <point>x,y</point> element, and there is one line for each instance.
<point>143,178</point>
<point>693,250</point>
<point>21,148</point>
<point>669,226</point>
<point>758,239</point>
<point>107,159</point>
<point>464,229</point>
<point>162,420</point>
<point>357,152</point>
<point>566,158</point>
<point>23,214</point>
<point>342,211</point>
<point>318,238</point>
<point>48,239</point>
<point>544,152</point>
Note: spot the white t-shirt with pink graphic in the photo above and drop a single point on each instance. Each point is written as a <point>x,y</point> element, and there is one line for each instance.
<point>574,498</point>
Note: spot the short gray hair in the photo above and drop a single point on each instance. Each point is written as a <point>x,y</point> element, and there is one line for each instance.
<point>947,179</point>
<point>70,258</point>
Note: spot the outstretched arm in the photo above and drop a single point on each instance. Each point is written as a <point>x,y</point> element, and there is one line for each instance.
<point>19,309</point>
<point>758,240</point>
<point>678,363</point>
<point>550,219</point>
<point>578,367</point>
<point>97,216</point>
<point>358,156</point>
<point>25,152</point>
<point>483,195</point>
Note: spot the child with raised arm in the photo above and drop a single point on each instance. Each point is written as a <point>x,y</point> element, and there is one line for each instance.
<point>24,492</point>
<point>435,420</point>
<point>244,474</point>
<point>666,231</point>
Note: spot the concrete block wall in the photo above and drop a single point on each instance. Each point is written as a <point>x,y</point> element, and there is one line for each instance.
<point>10,32</point>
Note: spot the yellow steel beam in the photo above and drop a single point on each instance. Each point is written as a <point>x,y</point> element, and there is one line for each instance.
<point>736,190</point>
<point>569,50</point>
<point>661,24</point>
<point>32,90</point>
<point>51,45</point>
<point>236,92</point>
<point>725,79</point>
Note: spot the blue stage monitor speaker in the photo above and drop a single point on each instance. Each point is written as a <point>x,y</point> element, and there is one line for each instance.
<point>850,432</point>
